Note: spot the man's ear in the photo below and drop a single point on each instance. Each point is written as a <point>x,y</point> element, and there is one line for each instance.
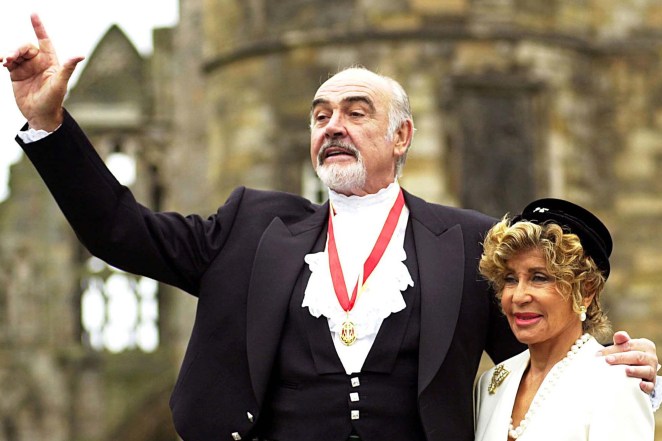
<point>402,137</point>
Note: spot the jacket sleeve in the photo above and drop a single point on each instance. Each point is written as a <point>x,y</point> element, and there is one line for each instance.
<point>169,247</point>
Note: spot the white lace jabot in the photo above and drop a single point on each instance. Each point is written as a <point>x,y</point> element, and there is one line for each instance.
<point>357,223</point>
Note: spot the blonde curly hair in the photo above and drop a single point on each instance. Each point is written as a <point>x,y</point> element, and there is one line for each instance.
<point>576,274</point>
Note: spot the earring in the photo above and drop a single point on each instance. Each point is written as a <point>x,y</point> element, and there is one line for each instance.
<point>582,313</point>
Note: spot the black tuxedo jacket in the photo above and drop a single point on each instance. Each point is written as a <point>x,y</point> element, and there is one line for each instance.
<point>242,263</point>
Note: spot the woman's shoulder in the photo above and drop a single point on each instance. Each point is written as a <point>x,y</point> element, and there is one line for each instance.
<point>620,409</point>
<point>608,377</point>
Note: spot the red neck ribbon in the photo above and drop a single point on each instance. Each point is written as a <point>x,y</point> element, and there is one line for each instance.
<point>371,262</point>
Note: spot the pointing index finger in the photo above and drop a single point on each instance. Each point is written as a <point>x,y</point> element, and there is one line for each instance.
<point>40,32</point>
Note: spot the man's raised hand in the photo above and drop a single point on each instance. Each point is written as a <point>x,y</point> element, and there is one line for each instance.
<point>39,80</point>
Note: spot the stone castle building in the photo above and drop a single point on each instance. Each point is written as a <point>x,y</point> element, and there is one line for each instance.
<point>512,100</point>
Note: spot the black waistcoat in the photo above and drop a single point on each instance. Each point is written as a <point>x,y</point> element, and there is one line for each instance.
<point>309,394</point>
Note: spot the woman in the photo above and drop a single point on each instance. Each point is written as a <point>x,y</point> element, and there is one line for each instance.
<point>548,267</point>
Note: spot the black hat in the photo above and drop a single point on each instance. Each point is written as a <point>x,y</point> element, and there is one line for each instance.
<point>592,233</point>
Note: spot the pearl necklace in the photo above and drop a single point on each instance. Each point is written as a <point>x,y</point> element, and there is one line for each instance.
<point>554,374</point>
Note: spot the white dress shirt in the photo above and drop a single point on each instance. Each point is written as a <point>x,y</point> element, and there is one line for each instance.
<point>357,224</point>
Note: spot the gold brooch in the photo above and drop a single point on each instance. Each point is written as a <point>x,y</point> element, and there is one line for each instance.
<point>500,374</point>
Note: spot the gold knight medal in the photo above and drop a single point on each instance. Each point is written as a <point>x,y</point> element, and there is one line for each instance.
<point>348,333</point>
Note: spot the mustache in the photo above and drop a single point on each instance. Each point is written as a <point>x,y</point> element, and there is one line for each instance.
<point>335,143</point>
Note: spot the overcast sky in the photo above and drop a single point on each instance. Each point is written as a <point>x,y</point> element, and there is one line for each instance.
<point>75,26</point>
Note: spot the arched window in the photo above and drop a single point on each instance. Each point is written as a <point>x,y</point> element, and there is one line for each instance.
<point>119,311</point>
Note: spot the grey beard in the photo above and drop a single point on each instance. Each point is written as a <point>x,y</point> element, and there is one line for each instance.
<point>342,178</point>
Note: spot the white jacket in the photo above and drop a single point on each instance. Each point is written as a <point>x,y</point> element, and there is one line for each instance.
<point>590,401</point>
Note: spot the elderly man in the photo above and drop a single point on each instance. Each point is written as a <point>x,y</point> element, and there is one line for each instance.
<point>363,318</point>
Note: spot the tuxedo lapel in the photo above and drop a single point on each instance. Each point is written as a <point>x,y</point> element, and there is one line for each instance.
<point>278,263</point>
<point>440,253</point>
